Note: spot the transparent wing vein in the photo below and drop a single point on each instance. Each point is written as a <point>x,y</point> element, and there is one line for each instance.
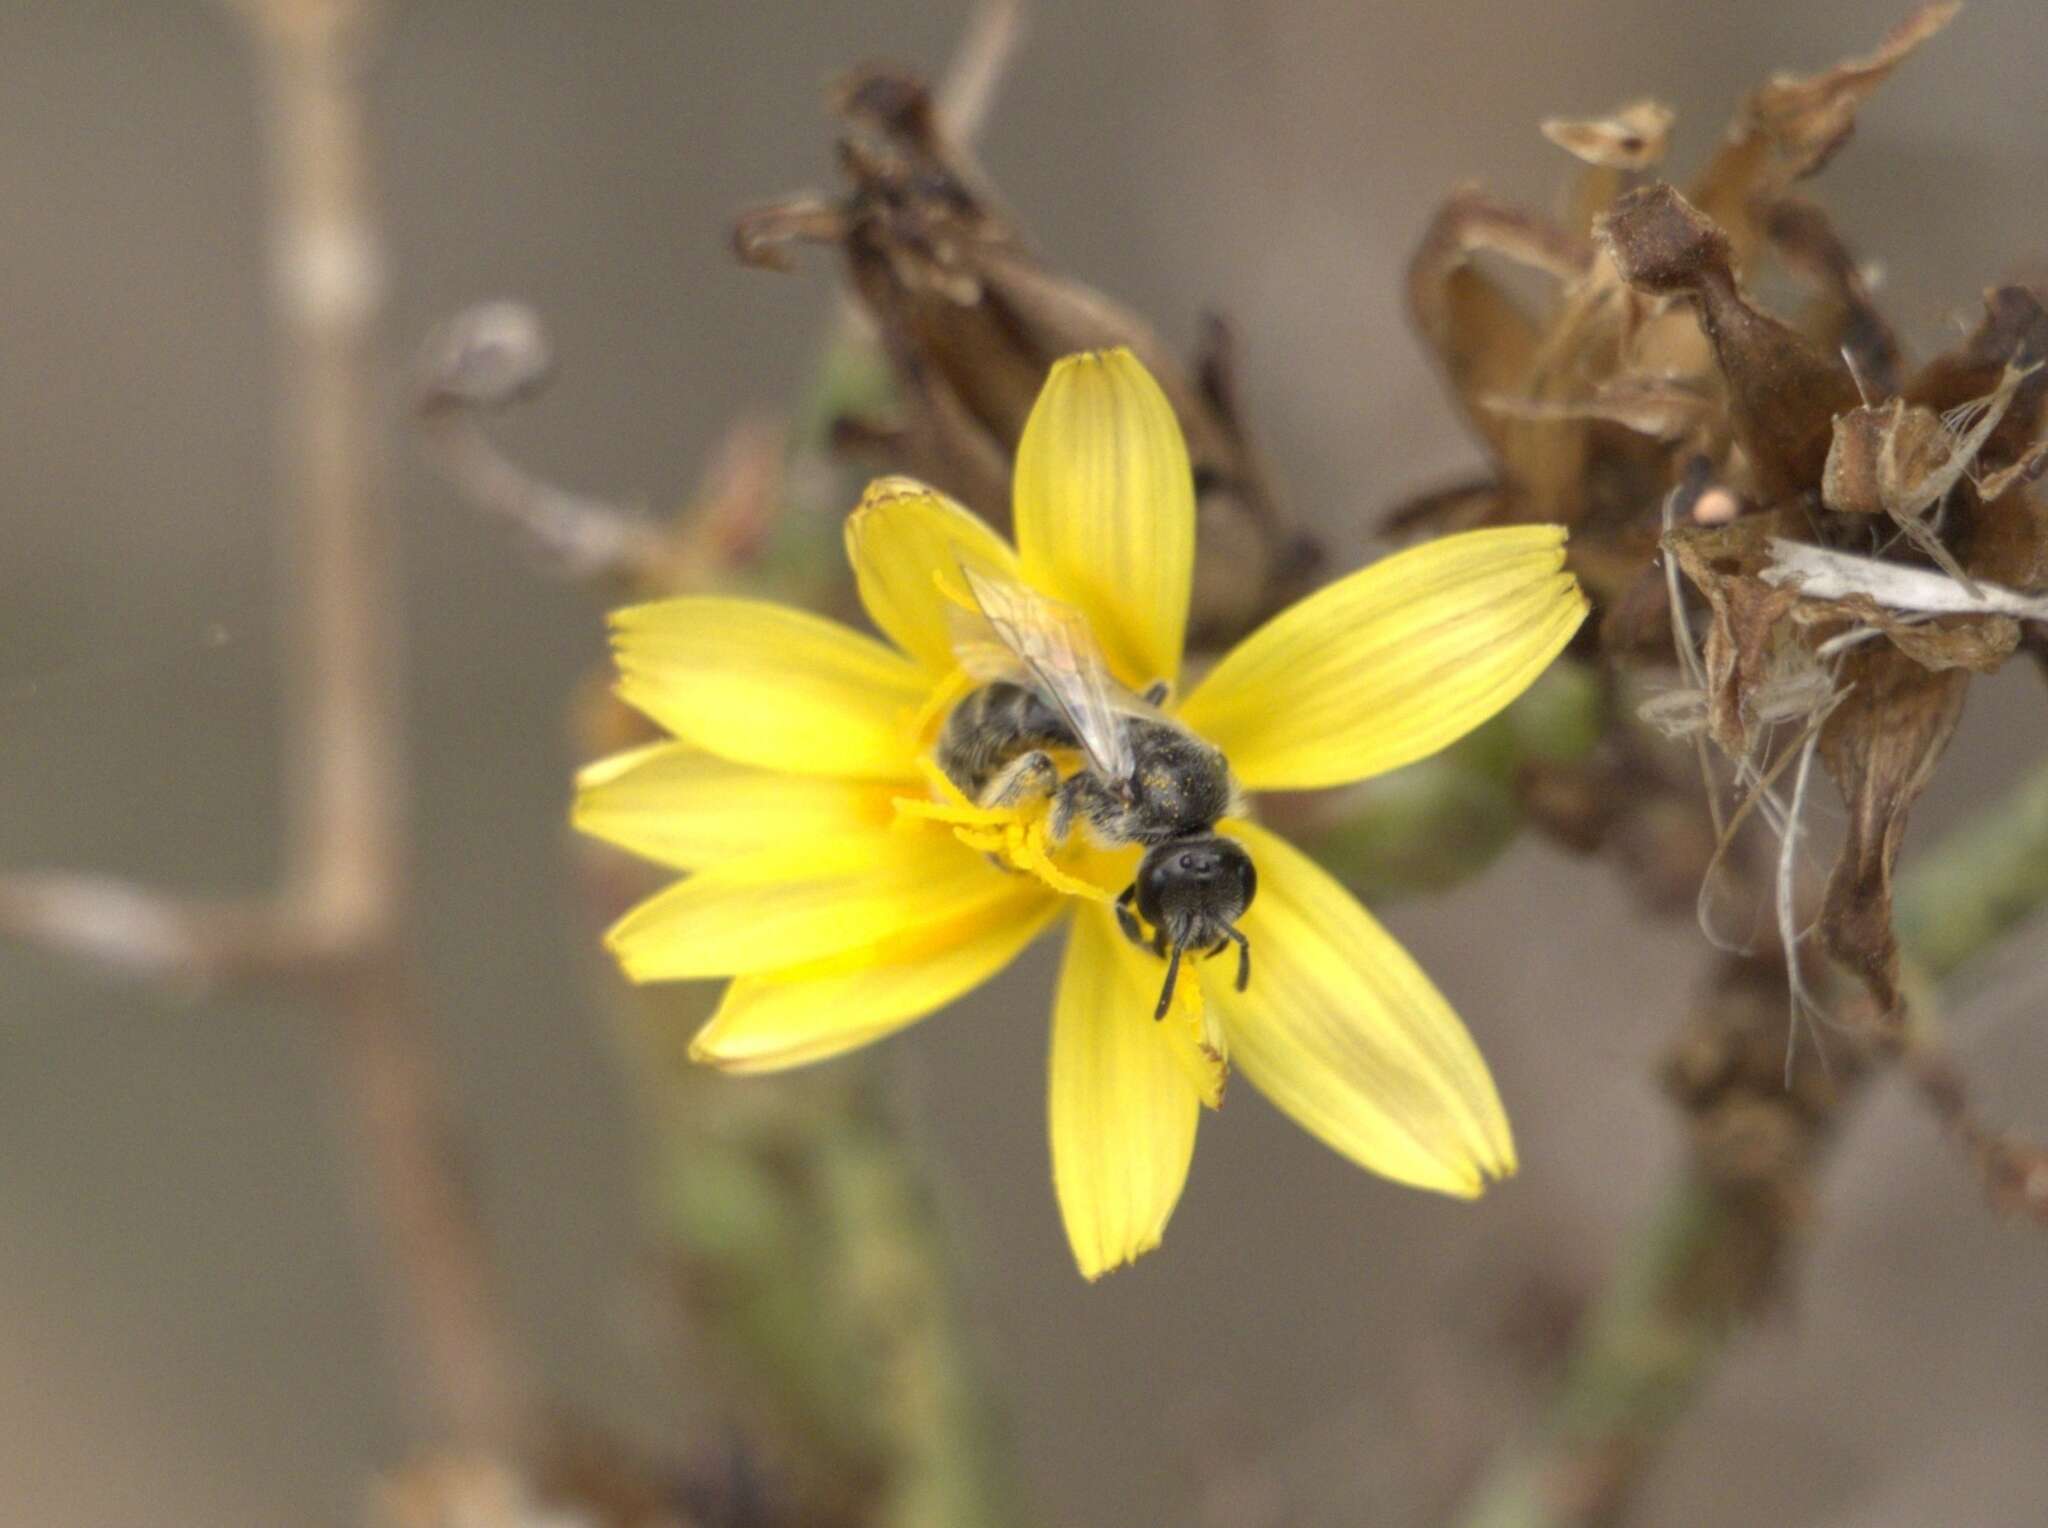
<point>1057,653</point>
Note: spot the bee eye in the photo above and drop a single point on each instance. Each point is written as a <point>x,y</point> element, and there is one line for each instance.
<point>1190,862</point>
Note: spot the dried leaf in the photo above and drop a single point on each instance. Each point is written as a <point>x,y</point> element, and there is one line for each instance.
<point>1614,149</point>
<point>1806,118</point>
<point>1980,644</point>
<point>1740,647</point>
<point>1518,378</point>
<point>2013,333</point>
<point>1881,746</point>
<point>1485,343</point>
<point>1794,124</point>
<point>1999,532</point>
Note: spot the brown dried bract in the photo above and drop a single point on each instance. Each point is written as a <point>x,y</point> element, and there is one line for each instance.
<point>1783,392</point>
<point>1634,138</point>
<point>1588,407</point>
<point>1573,438</point>
<point>1490,350</point>
<point>1897,461</point>
<point>1794,124</point>
<point>1847,320</point>
<point>1741,646</point>
<point>2013,335</point>
<point>1881,746</point>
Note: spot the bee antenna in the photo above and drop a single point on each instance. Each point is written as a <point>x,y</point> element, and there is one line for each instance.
<point>1166,992</point>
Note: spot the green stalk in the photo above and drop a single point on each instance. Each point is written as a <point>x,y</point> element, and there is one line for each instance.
<point>1689,1278</point>
<point>801,1226</point>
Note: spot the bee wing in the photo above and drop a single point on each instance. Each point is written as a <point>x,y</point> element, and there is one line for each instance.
<point>1049,646</point>
<point>980,651</point>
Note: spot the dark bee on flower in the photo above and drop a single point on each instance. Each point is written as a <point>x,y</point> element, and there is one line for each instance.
<point>1143,778</point>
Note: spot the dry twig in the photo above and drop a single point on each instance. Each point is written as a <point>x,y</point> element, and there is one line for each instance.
<point>335,928</point>
<point>483,360</point>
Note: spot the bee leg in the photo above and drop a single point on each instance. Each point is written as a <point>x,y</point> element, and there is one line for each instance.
<point>1082,797</point>
<point>1244,956</point>
<point>1030,774</point>
<point>1156,694</point>
<point>1128,920</point>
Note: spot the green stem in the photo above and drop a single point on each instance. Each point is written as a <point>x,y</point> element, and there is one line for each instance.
<point>1689,1278</point>
<point>805,1238</point>
<point>1987,877</point>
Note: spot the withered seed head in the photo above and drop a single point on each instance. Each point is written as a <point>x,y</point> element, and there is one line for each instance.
<point>1653,384</point>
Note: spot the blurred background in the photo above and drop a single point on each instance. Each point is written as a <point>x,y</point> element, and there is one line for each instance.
<point>187,1330</point>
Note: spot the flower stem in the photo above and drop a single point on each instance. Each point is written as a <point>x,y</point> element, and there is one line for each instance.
<point>1698,1265</point>
<point>802,1232</point>
<point>1989,875</point>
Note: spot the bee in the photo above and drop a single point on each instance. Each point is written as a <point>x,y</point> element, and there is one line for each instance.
<point>1044,685</point>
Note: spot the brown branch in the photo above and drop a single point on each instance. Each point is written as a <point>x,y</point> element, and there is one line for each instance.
<point>496,354</point>
<point>146,934</point>
<point>336,925</point>
<point>481,361</point>
<point>2012,1169</point>
<point>346,872</point>
<point>978,65</point>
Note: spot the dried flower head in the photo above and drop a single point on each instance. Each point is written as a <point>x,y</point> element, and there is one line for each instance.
<point>1860,534</point>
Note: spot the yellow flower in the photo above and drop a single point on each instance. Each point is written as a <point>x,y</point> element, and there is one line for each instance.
<point>847,889</point>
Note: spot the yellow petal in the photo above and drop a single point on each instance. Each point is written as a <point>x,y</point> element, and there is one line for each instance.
<point>901,536</point>
<point>801,1014</point>
<point>801,902</point>
<point>1123,1108</point>
<point>687,809</point>
<point>1342,1031</point>
<point>1105,505</point>
<point>1390,664</point>
<point>764,684</point>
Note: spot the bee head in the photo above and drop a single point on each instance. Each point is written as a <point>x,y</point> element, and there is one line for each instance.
<point>1195,889</point>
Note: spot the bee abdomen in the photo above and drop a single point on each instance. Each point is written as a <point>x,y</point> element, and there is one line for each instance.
<point>992,726</point>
